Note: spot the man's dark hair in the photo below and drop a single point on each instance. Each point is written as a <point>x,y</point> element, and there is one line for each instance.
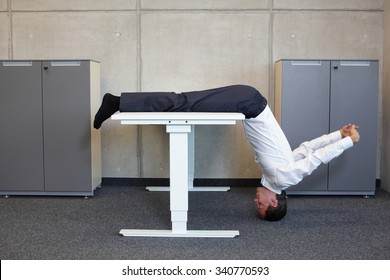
<point>277,213</point>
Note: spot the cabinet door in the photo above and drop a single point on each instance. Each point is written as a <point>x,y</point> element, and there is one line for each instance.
<point>354,99</point>
<point>21,143</point>
<point>66,103</point>
<point>305,111</point>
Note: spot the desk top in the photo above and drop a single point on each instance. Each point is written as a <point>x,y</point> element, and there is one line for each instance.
<point>178,118</point>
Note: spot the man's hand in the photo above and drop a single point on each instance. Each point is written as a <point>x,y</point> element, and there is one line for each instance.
<point>346,130</point>
<point>355,136</point>
<point>350,130</point>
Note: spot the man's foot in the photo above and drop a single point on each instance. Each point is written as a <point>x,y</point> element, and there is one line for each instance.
<point>110,105</point>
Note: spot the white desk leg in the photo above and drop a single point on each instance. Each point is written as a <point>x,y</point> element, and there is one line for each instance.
<point>191,158</point>
<point>178,168</point>
<point>191,170</point>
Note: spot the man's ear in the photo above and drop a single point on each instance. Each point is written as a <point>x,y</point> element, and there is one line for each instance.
<point>274,201</point>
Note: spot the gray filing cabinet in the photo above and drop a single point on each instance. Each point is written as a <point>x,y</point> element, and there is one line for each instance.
<point>48,145</point>
<point>315,97</point>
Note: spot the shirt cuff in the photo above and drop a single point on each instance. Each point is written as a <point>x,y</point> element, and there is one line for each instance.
<point>336,135</point>
<point>346,142</point>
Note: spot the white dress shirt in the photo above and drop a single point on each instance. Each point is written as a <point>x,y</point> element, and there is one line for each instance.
<point>281,166</point>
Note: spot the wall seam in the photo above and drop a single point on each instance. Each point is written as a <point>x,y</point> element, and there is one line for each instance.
<point>226,11</point>
<point>139,88</point>
<point>10,31</point>
<point>271,47</point>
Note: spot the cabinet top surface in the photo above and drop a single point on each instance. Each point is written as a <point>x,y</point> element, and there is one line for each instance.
<point>323,59</point>
<point>41,60</point>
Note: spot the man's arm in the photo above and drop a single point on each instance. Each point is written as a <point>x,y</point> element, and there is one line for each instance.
<point>292,173</point>
<point>307,158</point>
<point>310,146</point>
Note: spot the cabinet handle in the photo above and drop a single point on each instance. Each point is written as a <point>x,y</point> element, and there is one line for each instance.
<point>306,62</point>
<point>66,63</point>
<point>354,63</point>
<point>17,63</point>
<point>335,67</point>
<point>46,68</point>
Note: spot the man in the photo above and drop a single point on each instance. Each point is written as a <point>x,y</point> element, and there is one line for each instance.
<point>281,166</point>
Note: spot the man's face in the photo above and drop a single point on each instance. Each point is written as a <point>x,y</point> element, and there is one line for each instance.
<point>263,199</point>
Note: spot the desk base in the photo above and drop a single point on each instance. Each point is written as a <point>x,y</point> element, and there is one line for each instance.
<point>180,127</point>
<point>194,189</point>
<point>187,233</point>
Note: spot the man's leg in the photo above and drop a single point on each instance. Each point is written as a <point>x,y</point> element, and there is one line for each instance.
<point>236,98</point>
<point>134,102</point>
<point>148,101</point>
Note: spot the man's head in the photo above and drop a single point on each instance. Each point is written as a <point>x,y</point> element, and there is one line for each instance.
<point>271,206</point>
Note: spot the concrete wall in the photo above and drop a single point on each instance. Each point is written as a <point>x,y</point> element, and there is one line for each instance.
<point>173,45</point>
<point>385,174</point>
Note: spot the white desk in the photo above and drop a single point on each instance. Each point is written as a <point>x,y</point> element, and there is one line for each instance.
<point>180,127</point>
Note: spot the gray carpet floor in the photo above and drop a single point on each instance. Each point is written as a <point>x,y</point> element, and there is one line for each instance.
<point>316,227</point>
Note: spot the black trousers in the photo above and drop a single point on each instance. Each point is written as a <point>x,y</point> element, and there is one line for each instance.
<point>237,98</point>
